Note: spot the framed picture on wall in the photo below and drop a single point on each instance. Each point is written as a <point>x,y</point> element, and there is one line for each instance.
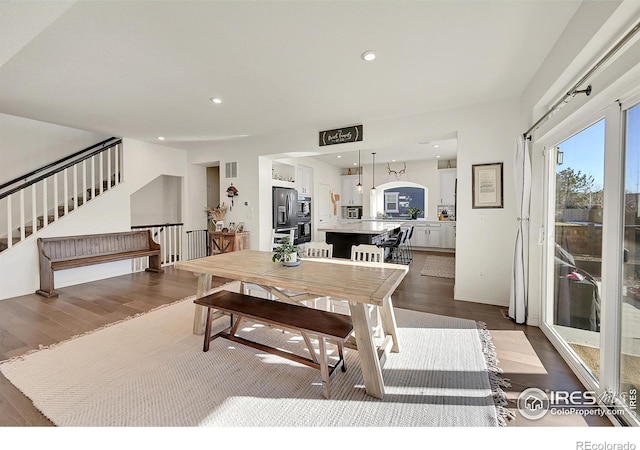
<point>487,186</point>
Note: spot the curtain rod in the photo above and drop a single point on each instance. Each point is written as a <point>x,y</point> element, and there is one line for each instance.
<point>574,90</point>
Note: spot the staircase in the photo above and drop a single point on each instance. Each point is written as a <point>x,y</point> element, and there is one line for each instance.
<point>34,201</point>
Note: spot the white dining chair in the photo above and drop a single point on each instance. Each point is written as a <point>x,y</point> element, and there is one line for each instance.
<point>278,237</point>
<point>317,250</point>
<point>367,253</point>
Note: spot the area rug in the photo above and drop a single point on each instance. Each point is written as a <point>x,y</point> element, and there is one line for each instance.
<point>439,266</point>
<point>151,371</point>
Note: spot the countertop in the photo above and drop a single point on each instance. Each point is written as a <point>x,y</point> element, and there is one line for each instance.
<point>362,227</point>
<point>405,221</point>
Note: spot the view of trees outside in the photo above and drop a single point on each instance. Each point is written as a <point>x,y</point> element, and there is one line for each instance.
<point>577,190</point>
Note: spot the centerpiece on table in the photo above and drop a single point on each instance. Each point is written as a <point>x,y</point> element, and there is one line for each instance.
<point>287,253</point>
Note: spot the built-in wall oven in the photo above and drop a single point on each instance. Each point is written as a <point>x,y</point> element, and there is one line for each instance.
<point>304,232</point>
<point>304,207</point>
<point>304,220</point>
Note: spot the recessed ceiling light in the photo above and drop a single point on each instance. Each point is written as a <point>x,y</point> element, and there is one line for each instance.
<point>161,138</point>
<point>435,146</point>
<point>216,100</point>
<point>438,156</point>
<point>369,55</point>
<point>355,164</point>
<point>393,160</point>
<point>339,156</point>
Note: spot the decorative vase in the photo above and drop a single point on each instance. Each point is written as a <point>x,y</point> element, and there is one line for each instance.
<point>291,257</point>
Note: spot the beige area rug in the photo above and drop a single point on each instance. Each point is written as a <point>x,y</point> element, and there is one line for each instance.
<point>439,266</point>
<point>151,371</point>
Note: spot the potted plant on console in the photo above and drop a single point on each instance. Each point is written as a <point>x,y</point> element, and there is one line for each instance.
<point>414,212</point>
<point>287,253</point>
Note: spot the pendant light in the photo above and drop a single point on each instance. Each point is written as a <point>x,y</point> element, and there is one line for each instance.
<point>373,171</point>
<point>359,185</point>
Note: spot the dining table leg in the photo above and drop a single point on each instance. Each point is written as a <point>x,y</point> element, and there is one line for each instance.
<point>389,326</point>
<point>200,315</point>
<point>371,370</point>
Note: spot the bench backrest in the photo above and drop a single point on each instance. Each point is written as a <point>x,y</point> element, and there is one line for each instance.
<point>72,247</point>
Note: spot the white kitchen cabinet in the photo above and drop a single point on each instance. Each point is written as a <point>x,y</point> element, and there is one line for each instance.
<point>419,238</point>
<point>304,180</point>
<point>447,186</point>
<point>350,194</point>
<point>452,236</point>
<point>433,234</point>
<point>449,240</point>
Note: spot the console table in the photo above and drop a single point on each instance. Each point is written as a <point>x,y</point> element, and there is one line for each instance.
<point>224,242</point>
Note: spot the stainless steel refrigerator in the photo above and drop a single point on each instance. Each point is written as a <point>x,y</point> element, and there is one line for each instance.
<point>285,209</point>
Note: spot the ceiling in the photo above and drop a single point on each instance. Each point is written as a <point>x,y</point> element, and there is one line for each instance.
<point>148,69</point>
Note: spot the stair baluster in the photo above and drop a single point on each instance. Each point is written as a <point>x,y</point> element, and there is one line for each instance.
<point>26,208</point>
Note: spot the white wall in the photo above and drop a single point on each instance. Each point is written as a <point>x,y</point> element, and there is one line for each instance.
<point>26,145</point>
<point>158,202</point>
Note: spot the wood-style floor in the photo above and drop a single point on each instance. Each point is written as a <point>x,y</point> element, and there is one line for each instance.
<point>526,356</point>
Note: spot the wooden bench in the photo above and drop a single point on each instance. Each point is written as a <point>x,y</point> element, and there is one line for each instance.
<point>306,321</point>
<point>67,252</point>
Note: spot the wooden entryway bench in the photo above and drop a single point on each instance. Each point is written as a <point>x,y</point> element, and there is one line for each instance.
<point>306,321</point>
<point>67,252</point>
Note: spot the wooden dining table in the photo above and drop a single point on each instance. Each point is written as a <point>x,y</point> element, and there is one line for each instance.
<point>360,283</point>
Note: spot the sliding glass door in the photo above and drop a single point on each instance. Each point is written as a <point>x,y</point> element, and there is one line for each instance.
<point>577,259</point>
<point>630,302</point>
<point>592,306</point>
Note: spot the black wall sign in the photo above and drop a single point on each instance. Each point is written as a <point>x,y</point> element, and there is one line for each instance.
<point>341,135</point>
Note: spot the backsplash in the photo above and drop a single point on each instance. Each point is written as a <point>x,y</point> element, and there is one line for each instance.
<point>450,209</point>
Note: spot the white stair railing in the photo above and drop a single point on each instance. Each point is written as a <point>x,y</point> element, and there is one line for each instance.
<point>39,191</point>
<point>169,236</point>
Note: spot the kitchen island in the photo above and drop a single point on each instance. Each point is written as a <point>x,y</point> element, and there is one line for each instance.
<point>344,235</point>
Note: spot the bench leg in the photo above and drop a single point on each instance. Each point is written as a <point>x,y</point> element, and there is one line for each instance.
<point>207,331</point>
<point>155,265</point>
<point>341,355</point>
<point>46,283</point>
<point>324,368</point>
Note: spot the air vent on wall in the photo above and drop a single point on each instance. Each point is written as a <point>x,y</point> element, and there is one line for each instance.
<point>231,169</point>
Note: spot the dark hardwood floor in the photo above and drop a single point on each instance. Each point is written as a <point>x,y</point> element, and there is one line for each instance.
<point>27,322</point>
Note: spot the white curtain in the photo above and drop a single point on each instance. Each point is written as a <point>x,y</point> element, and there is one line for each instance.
<point>520,278</point>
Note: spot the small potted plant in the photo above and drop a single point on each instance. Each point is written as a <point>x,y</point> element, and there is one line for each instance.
<point>286,252</point>
<point>414,212</point>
